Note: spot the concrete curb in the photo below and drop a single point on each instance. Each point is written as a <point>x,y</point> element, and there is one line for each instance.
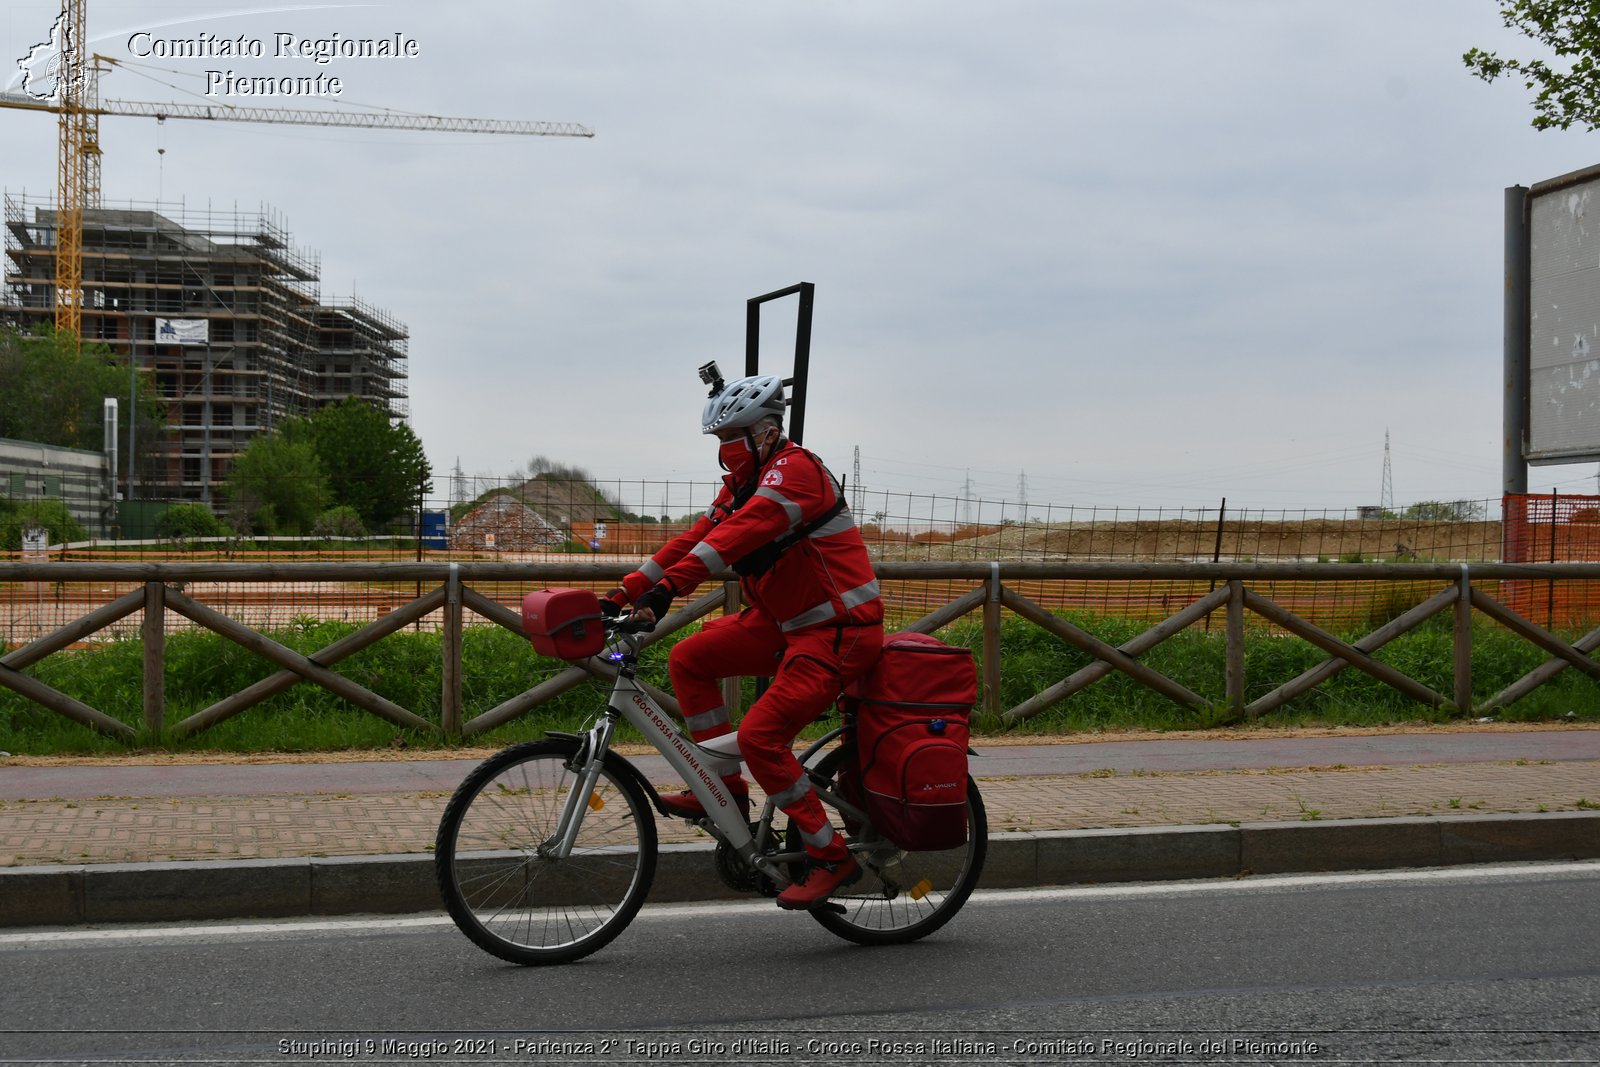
<point>341,885</point>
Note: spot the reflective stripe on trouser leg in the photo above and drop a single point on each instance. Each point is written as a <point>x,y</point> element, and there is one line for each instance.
<point>709,724</point>
<point>800,803</point>
<point>805,685</point>
<point>702,724</point>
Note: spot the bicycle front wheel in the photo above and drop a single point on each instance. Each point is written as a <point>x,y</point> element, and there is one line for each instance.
<point>902,896</point>
<point>498,879</point>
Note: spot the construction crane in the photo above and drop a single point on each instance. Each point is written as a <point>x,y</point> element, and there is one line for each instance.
<point>78,108</point>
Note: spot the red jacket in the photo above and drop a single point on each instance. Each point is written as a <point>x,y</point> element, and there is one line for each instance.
<point>826,577</point>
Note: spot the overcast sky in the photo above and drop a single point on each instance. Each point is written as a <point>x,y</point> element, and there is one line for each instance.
<point>1146,254</point>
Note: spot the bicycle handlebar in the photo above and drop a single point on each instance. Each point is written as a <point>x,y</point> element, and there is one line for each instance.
<point>628,624</point>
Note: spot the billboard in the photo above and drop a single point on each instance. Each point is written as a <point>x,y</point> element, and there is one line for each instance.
<point>1563,319</point>
<point>183,331</point>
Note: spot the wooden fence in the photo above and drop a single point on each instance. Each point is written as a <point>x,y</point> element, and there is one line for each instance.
<point>990,589</point>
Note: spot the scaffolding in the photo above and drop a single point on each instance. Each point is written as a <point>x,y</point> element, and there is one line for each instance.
<point>362,352</point>
<point>274,349</point>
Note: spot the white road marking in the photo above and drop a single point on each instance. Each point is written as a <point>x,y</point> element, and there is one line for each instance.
<point>163,933</point>
<point>1251,883</point>
<point>661,912</point>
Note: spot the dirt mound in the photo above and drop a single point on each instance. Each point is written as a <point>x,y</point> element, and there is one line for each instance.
<point>1329,540</point>
<point>564,501</point>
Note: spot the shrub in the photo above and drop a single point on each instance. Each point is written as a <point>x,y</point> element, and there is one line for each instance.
<point>186,522</point>
<point>342,521</point>
<point>48,512</point>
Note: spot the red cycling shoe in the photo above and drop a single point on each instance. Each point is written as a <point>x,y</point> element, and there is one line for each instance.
<point>820,880</point>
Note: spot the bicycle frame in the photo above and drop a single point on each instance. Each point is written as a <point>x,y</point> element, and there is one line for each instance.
<point>696,764</point>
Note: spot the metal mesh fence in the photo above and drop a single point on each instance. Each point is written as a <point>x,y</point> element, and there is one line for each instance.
<point>505,518</point>
<point>554,520</point>
<point>1553,528</point>
<point>993,531</point>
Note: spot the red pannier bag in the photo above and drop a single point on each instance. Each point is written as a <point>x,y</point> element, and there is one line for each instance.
<point>912,713</point>
<point>563,623</point>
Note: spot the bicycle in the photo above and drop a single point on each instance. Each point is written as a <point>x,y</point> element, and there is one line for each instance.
<point>547,850</point>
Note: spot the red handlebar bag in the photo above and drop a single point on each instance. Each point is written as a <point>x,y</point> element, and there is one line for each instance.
<point>563,623</point>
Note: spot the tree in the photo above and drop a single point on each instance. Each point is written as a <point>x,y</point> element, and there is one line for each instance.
<point>373,464</point>
<point>1569,92</point>
<point>543,466</point>
<point>278,485</point>
<point>54,393</point>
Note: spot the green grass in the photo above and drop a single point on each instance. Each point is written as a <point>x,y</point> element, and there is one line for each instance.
<point>1033,660</point>
<point>496,665</point>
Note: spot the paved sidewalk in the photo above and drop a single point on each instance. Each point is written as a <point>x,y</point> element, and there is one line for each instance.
<point>99,813</point>
<point>107,829</point>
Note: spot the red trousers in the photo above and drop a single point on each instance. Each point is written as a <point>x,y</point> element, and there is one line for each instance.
<point>809,668</point>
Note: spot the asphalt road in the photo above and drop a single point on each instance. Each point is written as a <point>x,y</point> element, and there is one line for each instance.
<point>1465,964</point>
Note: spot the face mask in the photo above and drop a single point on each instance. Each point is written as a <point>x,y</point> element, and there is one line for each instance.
<point>737,459</point>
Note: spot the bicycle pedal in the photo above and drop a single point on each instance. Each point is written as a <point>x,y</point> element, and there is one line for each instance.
<point>833,906</point>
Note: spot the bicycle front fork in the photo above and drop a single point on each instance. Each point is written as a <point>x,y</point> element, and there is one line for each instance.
<point>585,765</point>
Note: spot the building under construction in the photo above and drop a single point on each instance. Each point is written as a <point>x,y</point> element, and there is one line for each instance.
<point>224,315</point>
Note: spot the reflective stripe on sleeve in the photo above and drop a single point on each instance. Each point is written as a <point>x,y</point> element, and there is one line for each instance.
<point>652,570</point>
<point>709,556</point>
<point>861,594</point>
<point>790,508</point>
<point>836,525</point>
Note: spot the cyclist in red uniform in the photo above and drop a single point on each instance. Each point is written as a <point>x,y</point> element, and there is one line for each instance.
<point>814,621</point>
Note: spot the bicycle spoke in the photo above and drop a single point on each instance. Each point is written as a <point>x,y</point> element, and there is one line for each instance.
<point>881,908</point>
<point>530,907</point>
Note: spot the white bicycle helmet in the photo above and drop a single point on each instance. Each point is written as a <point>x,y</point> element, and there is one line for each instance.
<point>743,403</point>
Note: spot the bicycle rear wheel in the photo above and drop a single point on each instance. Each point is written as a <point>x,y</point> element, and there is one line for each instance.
<point>902,896</point>
<point>527,907</point>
